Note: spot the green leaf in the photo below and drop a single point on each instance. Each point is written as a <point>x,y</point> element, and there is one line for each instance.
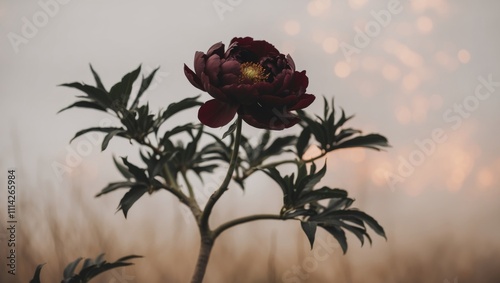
<point>277,146</point>
<point>97,79</point>
<point>309,229</point>
<point>131,197</point>
<point>69,271</point>
<point>96,129</point>
<point>184,104</point>
<point>98,95</point>
<point>120,92</point>
<point>125,258</point>
<point>317,195</point>
<point>123,170</point>
<point>146,82</point>
<point>312,179</point>
<point>177,130</point>
<point>139,173</point>
<point>84,104</point>
<point>338,234</point>
<point>36,276</point>
<point>109,136</point>
<point>303,142</point>
<point>372,223</point>
<point>114,186</point>
<point>372,141</point>
<point>230,130</point>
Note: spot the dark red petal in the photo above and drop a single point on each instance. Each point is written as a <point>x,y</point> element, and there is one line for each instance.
<point>277,101</point>
<point>217,48</point>
<point>241,93</point>
<point>261,48</point>
<point>216,114</point>
<point>290,62</point>
<point>272,119</point>
<point>299,81</point>
<point>193,78</point>
<point>304,101</point>
<point>231,66</point>
<point>212,68</point>
<point>228,79</point>
<point>212,90</point>
<point>199,62</point>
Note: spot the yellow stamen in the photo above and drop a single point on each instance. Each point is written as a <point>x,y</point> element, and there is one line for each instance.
<point>252,72</point>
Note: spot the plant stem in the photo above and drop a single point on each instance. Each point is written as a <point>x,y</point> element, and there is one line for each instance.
<point>223,187</point>
<point>207,236</point>
<point>246,219</point>
<point>188,184</point>
<point>206,245</point>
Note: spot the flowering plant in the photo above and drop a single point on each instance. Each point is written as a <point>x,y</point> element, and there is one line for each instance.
<point>255,83</point>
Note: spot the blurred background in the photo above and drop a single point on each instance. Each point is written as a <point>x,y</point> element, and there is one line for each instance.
<point>424,73</point>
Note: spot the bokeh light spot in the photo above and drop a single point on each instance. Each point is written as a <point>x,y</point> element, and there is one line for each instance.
<point>330,45</point>
<point>342,69</point>
<point>424,24</point>
<point>463,56</point>
<point>292,27</point>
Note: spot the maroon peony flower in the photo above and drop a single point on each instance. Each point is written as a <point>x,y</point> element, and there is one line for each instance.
<point>250,78</point>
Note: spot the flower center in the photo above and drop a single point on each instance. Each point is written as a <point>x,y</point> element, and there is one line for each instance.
<point>252,72</point>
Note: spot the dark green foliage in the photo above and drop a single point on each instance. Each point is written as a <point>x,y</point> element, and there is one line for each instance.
<point>331,134</point>
<point>324,207</point>
<point>90,269</point>
<point>182,148</point>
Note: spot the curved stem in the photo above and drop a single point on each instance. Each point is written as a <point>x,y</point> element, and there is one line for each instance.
<point>223,187</point>
<point>207,236</point>
<point>245,219</point>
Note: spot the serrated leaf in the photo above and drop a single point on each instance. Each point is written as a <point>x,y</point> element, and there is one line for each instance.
<point>303,142</point>
<point>123,170</point>
<point>98,95</point>
<point>146,82</point>
<point>109,136</point>
<point>95,129</point>
<point>317,195</point>
<point>277,146</point>
<point>372,223</point>
<point>84,104</point>
<point>307,184</point>
<point>131,197</point>
<point>114,186</point>
<point>120,92</point>
<point>69,271</point>
<point>139,174</point>
<point>36,276</point>
<point>372,141</point>
<point>125,258</point>
<point>309,229</point>
<point>338,234</point>
<point>97,79</point>
<point>184,104</point>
